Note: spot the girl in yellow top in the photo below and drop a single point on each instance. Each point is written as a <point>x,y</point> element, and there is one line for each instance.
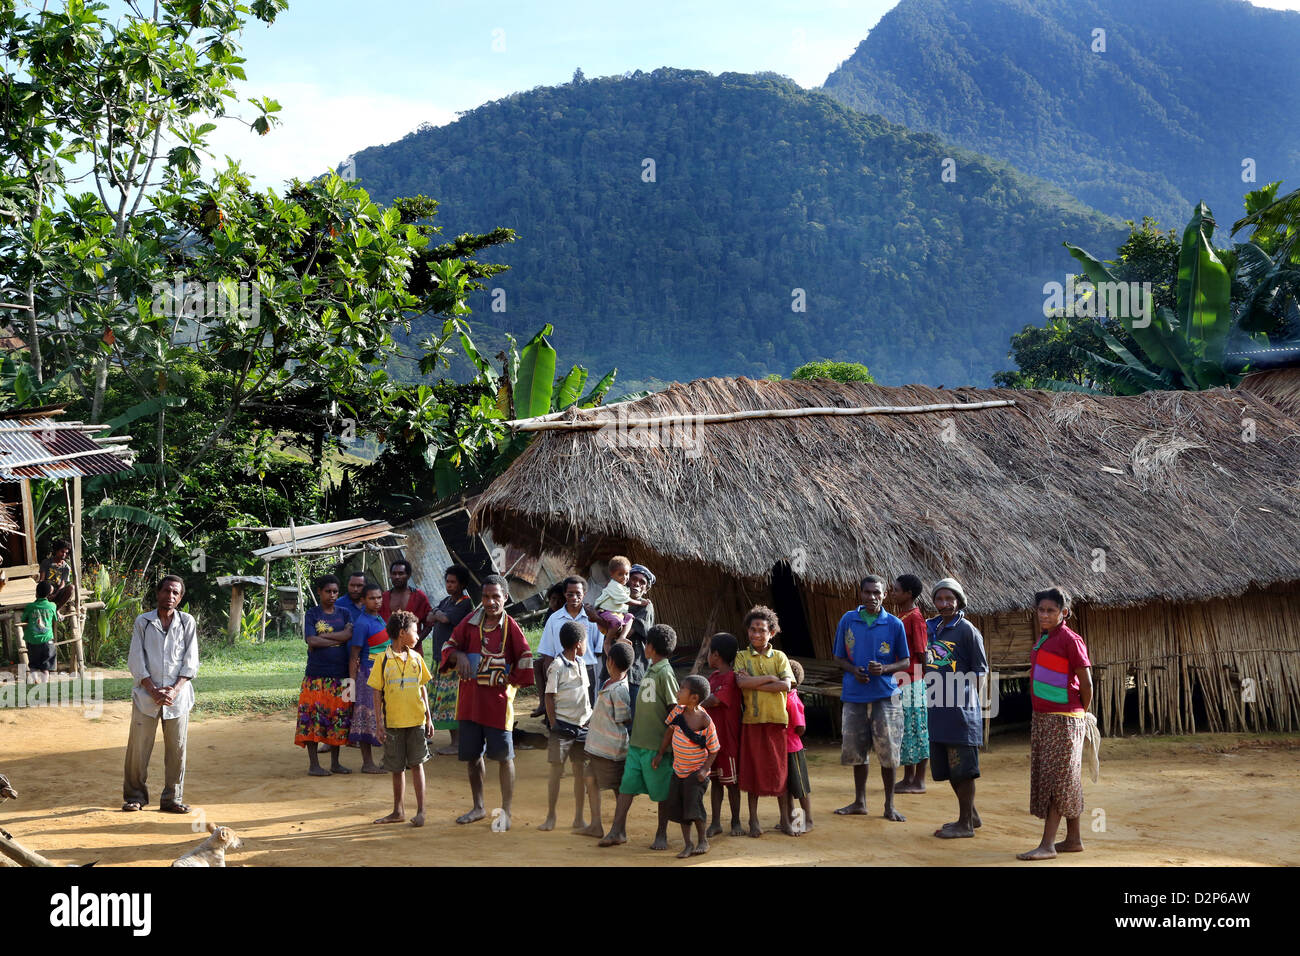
<point>764,676</point>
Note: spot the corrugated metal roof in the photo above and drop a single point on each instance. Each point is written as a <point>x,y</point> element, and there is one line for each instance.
<point>355,531</point>
<point>44,448</point>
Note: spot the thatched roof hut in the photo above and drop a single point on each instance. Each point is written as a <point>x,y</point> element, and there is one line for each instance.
<point>1166,515</point>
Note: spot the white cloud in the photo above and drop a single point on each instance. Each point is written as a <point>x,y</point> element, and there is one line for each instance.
<point>319,129</point>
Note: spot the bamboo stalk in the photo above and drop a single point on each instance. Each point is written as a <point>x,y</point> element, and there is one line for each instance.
<point>590,424</point>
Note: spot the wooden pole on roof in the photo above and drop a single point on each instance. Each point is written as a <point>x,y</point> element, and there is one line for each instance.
<point>688,418</point>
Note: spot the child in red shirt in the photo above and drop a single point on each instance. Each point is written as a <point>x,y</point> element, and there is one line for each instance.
<point>724,707</point>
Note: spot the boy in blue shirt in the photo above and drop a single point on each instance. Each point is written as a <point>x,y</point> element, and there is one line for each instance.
<point>871,647</point>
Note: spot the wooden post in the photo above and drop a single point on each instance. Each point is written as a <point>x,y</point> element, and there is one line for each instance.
<point>266,597</point>
<point>15,851</point>
<point>236,611</point>
<point>78,617</point>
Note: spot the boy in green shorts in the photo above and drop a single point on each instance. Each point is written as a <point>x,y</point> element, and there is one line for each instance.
<point>657,696</point>
<point>38,632</point>
<point>402,721</point>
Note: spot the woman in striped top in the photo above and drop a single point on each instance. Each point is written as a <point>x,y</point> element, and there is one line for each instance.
<point>1061,691</point>
<point>695,747</point>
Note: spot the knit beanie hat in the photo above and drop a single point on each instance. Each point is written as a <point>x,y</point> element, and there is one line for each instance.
<point>950,584</point>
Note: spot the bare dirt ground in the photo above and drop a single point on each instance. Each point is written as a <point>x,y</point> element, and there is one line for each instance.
<point>1204,801</point>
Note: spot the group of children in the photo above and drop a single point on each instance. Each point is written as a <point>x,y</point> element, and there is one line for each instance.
<point>741,728</point>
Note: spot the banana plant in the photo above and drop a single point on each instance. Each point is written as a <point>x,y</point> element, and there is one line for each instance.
<point>525,386</point>
<point>1269,264</point>
<point>1179,348</point>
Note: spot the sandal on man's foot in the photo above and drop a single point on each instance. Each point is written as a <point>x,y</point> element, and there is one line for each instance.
<point>131,806</point>
<point>175,808</point>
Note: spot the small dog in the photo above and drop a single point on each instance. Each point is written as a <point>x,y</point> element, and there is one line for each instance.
<point>212,851</point>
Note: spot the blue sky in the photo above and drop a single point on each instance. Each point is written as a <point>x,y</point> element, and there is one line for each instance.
<point>351,74</point>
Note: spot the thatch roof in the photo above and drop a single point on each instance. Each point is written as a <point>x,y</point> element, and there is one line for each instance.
<point>1280,387</point>
<point>1183,506</point>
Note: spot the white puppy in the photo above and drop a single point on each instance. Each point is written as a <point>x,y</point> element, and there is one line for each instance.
<point>212,851</point>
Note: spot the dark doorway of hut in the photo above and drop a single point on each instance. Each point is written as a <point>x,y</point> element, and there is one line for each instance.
<point>796,641</point>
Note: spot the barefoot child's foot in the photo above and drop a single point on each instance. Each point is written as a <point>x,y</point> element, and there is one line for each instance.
<point>547,825</point>
<point>1065,846</point>
<point>661,842</point>
<point>318,771</point>
<point>613,839</point>
<point>687,850</point>
<point>891,814</point>
<point>701,848</point>
<point>714,830</point>
<point>853,810</point>
<point>371,768</point>
<point>339,768</point>
<point>1038,853</point>
<point>754,829</point>
<point>395,817</point>
<point>478,813</point>
<point>594,830</point>
<point>736,828</point>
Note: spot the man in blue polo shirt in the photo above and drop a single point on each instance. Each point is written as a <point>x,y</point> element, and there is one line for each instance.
<point>871,647</point>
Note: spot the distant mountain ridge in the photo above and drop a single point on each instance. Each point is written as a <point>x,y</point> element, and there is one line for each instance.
<point>1185,91</point>
<point>762,195</point>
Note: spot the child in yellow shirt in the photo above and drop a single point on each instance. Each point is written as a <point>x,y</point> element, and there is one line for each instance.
<point>403,722</point>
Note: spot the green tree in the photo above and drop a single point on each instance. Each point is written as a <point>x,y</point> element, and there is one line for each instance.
<point>838,371</point>
<point>203,306</point>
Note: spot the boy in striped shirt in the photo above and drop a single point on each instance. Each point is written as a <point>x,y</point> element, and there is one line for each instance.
<point>695,746</point>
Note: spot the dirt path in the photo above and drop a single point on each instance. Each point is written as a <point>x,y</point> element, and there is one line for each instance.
<point>1165,802</point>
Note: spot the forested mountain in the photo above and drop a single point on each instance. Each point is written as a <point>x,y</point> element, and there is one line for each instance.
<point>759,190</point>
<point>1184,92</point>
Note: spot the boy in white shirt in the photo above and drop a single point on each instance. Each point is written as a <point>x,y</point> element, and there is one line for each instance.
<point>568,710</point>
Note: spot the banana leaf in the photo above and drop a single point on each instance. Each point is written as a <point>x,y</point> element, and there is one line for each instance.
<point>1127,357</point>
<point>484,367</point>
<point>569,388</point>
<point>1056,385</point>
<point>446,477</point>
<point>598,391</point>
<point>150,406</point>
<point>133,515</point>
<point>1281,215</point>
<point>1125,379</point>
<point>1204,289</point>
<point>1150,338</point>
<point>1184,361</point>
<point>533,389</point>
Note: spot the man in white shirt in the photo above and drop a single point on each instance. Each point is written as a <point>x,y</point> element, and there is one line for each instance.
<point>550,648</point>
<point>163,660</point>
